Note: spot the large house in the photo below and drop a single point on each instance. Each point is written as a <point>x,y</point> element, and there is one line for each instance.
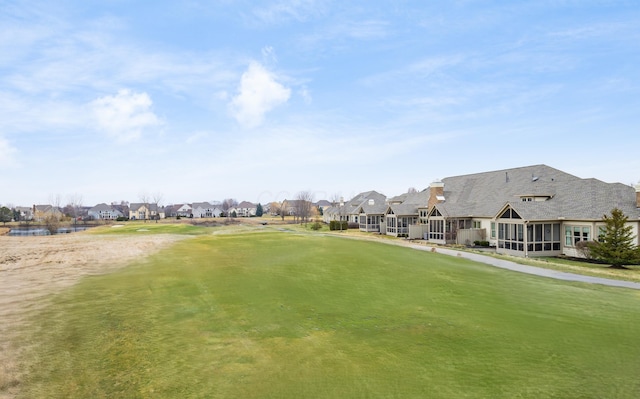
<point>528,211</point>
<point>41,213</point>
<point>246,209</point>
<point>403,212</point>
<point>350,211</point>
<point>144,211</point>
<point>205,210</point>
<point>104,212</point>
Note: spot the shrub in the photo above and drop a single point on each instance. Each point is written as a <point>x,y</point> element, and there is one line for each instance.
<point>338,225</point>
<point>316,226</point>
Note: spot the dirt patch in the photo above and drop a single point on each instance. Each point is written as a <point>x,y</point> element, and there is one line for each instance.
<point>32,268</point>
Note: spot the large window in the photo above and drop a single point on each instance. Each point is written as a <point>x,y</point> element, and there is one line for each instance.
<point>543,237</point>
<point>436,230</point>
<point>575,234</point>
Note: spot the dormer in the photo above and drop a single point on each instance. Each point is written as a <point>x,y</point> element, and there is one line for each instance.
<point>535,197</point>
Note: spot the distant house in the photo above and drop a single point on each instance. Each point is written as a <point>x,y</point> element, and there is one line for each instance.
<point>181,210</point>
<point>24,212</point>
<point>246,209</point>
<point>322,205</point>
<point>403,211</point>
<point>371,215</point>
<point>350,210</point>
<point>42,212</point>
<point>205,210</point>
<point>144,211</point>
<point>104,212</point>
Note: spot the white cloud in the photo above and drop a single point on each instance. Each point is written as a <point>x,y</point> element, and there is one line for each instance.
<point>124,116</point>
<point>6,154</point>
<point>259,93</point>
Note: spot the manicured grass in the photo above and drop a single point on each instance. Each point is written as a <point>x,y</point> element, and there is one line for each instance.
<point>282,315</point>
<point>150,227</point>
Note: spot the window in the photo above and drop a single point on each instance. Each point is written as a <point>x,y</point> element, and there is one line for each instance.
<point>493,229</point>
<point>575,234</point>
<point>476,224</point>
<point>436,230</point>
<point>539,236</point>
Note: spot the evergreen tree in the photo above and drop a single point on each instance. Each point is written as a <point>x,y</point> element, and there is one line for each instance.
<point>615,245</point>
<point>5,215</point>
<point>259,210</point>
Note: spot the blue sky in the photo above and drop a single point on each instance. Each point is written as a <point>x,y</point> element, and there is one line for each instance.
<point>205,100</point>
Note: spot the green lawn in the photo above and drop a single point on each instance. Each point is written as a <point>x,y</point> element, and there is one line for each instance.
<point>149,227</point>
<point>283,315</point>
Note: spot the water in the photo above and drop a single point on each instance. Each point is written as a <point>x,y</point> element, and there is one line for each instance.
<point>41,231</point>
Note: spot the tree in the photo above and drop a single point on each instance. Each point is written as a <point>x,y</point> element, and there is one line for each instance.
<point>157,198</point>
<point>229,203</point>
<point>53,216</point>
<point>259,210</point>
<point>5,215</point>
<point>615,246</point>
<point>145,199</point>
<point>74,207</point>
<point>303,205</point>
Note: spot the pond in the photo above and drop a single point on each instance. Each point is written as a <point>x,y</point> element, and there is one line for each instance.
<point>41,231</point>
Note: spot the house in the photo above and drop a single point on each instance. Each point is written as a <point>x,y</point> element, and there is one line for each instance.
<point>528,211</point>
<point>43,212</point>
<point>322,205</point>
<point>24,212</point>
<point>403,211</point>
<point>205,210</point>
<point>104,212</point>
<point>350,210</point>
<point>246,209</point>
<point>371,215</point>
<point>178,210</point>
<point>144,211</point>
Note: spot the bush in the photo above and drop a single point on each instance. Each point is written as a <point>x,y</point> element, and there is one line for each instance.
<point>316,226</point>
<point>479,243</point>
<point>338,225</point>
<point>121,219</point>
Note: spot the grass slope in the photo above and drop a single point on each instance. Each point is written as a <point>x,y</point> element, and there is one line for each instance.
<point>280,315</point>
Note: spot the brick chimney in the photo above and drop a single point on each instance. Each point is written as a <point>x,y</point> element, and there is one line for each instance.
<point>638,195</point>
<point>436,193</point>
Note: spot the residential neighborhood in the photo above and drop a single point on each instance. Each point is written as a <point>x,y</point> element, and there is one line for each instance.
<point>529,211</point>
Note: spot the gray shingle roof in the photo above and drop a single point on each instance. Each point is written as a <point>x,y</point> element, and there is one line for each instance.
<point>484,194</point>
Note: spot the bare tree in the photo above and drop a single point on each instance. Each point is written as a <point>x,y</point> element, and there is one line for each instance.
<point>284,209</point>
<point>157,198</point>
<point>145,199</point>
<point>336,199</point>
<point>303,206</point>
<point>52,218</point>
<point>274,208</point>
<point>229,203</point>
<point>74,207</point>
<point>412,190</point>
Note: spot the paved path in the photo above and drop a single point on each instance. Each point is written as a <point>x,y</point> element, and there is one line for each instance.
<point>537,271</point>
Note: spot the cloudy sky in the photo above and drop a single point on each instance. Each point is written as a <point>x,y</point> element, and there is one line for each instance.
<point>205,100</point>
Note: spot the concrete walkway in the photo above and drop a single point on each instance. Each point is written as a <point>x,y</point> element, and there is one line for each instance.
<point>537,271</point>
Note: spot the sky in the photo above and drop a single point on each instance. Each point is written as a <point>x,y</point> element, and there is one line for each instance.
<point>194,101</point>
